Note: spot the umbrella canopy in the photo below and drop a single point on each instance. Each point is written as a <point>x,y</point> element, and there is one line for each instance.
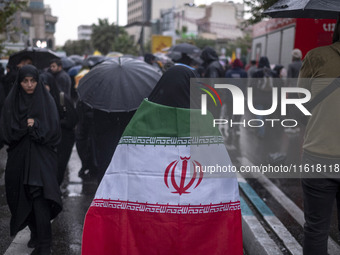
<point>174,55</point>
<point>118,85</point>
<point>73,71</point>
<point>129,56</point>
<point>77,59</point>
<point>93,60</point>
<point>185,48</point>
<point>40,57</point>
<point>67,62</point>
<point>315,9</point>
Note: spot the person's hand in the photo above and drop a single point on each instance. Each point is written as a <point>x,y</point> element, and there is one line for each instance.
<point>30,122</point>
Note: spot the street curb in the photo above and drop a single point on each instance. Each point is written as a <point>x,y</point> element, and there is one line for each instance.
<point>19,244</point>
<point>256,240</point>
<point>291,208</point>
<point>274,223</point>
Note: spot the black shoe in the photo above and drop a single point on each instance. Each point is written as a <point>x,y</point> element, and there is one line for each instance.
<point>83,172</point>
<point>33,242</point>
<point>41,251</point>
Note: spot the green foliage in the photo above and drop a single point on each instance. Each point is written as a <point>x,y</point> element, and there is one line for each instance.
<point>244,43</point>
<point>124,44</point>
<point>256,9</point>
<point>201,42</point>
<point>7,11</point>
<point>79,47</point>
<point>148,46</point>
<point>103,36</point>
<point>108,37</point>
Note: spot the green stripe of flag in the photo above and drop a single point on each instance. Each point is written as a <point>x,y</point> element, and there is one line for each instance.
<point>169,122</point>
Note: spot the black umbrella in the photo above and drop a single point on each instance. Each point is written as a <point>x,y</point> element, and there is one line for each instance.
<point>41,57</point>
<point>129,56</point>
<point>67,63</point>
<point>185,48</point>
<point>93,60</point>
<point>118,84</point>
<point>174,55</point>
<point>315,9</point>
<point>77,59</point>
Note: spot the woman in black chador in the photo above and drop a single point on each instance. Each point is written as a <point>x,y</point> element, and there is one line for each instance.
<point>68,120</point>
<point>30,127</point>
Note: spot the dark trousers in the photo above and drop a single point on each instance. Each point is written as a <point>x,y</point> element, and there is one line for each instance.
<point>39,223</point>
<point>64,151</point>
<point>319,196</point>
<point>108,129</point>
<point>85,143</point>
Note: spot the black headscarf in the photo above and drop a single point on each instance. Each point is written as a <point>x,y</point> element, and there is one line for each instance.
<point>173,89</point>
<point>263,62</point>
<point>336,35</point>
<point>19,106</point>
<point>148,58</point>
<point>49,80</point>
<point>208,55</point>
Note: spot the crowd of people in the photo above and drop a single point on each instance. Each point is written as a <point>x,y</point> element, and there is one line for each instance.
<point>41,121</point>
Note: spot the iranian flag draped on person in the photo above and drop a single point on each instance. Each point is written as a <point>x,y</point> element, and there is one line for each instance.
<point>156,197</point>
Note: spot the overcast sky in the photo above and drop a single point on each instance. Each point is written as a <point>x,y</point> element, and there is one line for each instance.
<point>72,13</point>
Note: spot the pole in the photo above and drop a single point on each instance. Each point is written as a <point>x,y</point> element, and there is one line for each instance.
<point>173,22</point>
<point>117,29</point>
<point>117,12</point>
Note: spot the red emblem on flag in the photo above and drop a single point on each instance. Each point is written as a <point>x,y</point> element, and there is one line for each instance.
<point>183,186</point>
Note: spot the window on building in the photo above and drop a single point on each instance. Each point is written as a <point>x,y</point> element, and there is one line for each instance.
<point>36,5</point>
<point>25,23</point>
<point>49,27</point>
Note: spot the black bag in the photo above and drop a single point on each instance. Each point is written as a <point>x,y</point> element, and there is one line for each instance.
<point>299,116</point>
<point>303,119</point>
<point>69,116</point>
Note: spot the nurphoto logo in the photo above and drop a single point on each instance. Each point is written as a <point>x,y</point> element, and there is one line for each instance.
<point>278,98</point>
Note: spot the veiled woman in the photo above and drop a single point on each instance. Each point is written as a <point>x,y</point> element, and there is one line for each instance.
<point>68,120</point>
<point>30,127</point>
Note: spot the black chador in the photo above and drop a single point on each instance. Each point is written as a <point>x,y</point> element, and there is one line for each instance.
<point>32,190</point>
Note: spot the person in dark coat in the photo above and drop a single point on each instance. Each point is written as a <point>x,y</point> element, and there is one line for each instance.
<point>262,83</point>
<point>68,121</point>
<point>262,92</point>
<point>211,69</point>
<point>108,129</point>
<point>151,60</point>
<point>2,100</point>
<point>30,127</point>
<point>239,78</point>
<point>85,141</point>
<point>211,65</point>
<point>173,88</point>
<point>62,79</point>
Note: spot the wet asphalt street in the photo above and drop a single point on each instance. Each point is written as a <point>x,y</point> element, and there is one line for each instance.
<point>279,146</point>
<point>67,227</point>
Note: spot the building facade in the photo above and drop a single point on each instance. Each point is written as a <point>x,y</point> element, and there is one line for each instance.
<point>180,18</point>
<point>36,27</point>
<point>139,11</point>
<point>147,14</point>
<point>84,32</point>
<point>222,20</point>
